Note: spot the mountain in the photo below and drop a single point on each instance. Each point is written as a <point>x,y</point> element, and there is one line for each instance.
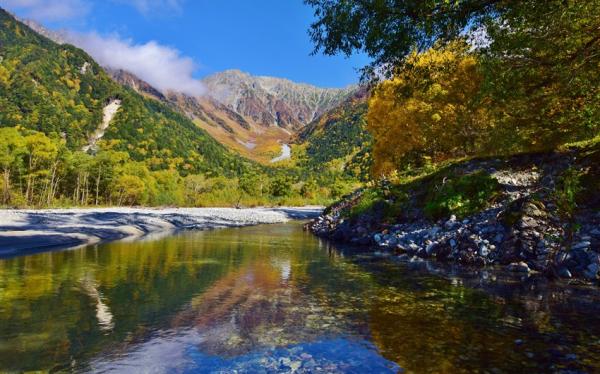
<point>269,101</point>
<point>225,125</point>
<point>253,115</point>
<point>60,90</point>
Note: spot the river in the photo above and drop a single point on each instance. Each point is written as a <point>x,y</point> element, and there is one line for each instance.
<point>272,298</point>
<point>286,153</point>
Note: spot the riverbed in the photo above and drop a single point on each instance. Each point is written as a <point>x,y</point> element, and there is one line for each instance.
<point>273,298</point>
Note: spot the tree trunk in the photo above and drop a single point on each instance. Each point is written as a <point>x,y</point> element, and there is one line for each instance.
<point>6,192</point>
<point>98,184</point>
<point>52,178</point>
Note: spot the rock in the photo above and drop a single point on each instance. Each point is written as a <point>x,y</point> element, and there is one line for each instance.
<point>452,243</point>
<point>518,267</point>
<point>451,223</point>
<point>564,273</point>
<point>295,365</point>
<point>285,361</point>
<point>532,210</point>
<point>498,238</point>
<point>581,245</point>
<point>591,272</point>
<point>589,275</point>
<point>561,257</point>
<point>430,248</point>
<point>528,222</point>
<point>434,230</point>
<point>483,250</point>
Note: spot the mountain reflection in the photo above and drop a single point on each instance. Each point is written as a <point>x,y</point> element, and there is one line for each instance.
<point>240,299</point>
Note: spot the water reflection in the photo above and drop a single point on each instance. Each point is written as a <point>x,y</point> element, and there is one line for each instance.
<point>277,299</point>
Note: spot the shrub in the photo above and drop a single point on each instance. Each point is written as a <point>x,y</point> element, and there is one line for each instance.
<point>461,196</point>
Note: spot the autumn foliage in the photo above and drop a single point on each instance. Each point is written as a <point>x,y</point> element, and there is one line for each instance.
<point>430,109</point>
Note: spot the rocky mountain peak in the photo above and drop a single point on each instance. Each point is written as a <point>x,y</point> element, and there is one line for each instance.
<point>270,101</point>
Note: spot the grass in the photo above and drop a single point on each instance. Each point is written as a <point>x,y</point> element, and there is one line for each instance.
<point>461,196</point>
<point>437,191</point>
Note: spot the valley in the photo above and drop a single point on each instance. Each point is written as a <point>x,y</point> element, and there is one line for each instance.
<point>251,115</point>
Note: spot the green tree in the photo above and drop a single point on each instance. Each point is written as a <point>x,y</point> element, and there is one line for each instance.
<point>130,190</point>
<point>41,152</point>
<point>281,186</point>
<point>169,188</point>
<point>252,184</point>
<point>388,30</point>
<point>12,148</point>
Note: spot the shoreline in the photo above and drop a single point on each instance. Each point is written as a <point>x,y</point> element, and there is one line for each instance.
<point>31,231</point>
<point>525,227</point>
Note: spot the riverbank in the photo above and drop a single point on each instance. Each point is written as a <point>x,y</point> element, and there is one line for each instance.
<point>27,231</point>
<point>530,214</point>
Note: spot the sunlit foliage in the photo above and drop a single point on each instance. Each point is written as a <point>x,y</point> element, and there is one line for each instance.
<point>431,109</point>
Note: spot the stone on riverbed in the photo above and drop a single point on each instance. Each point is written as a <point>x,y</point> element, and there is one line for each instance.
<point>519,267</point>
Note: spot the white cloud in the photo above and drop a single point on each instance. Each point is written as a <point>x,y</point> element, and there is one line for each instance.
<point>163,67</point>
<point>148,6</point>
<point>48,10</point>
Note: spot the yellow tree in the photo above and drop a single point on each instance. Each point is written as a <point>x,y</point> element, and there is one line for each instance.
<point>430,108</point>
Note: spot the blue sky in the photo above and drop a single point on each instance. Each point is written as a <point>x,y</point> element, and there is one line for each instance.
<point>262,37</point>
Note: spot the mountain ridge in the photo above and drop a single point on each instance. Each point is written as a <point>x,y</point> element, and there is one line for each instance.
<point>272,101</point>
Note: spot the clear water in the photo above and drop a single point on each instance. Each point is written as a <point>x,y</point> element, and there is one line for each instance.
<point>276,299</point>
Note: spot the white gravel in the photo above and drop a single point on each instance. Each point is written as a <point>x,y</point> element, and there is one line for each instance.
<point>24,231</point>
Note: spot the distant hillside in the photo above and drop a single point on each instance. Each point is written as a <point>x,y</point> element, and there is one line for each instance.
<point>339,139</point>
<point>59,89</point>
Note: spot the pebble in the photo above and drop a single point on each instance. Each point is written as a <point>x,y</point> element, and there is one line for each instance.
<point>295,365</point>
<point>483,250</point>
<point>434,230</point>
<point>581,245</point>
<point>564,273</point>
<point>519,267</point>
<point>498,238</point>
